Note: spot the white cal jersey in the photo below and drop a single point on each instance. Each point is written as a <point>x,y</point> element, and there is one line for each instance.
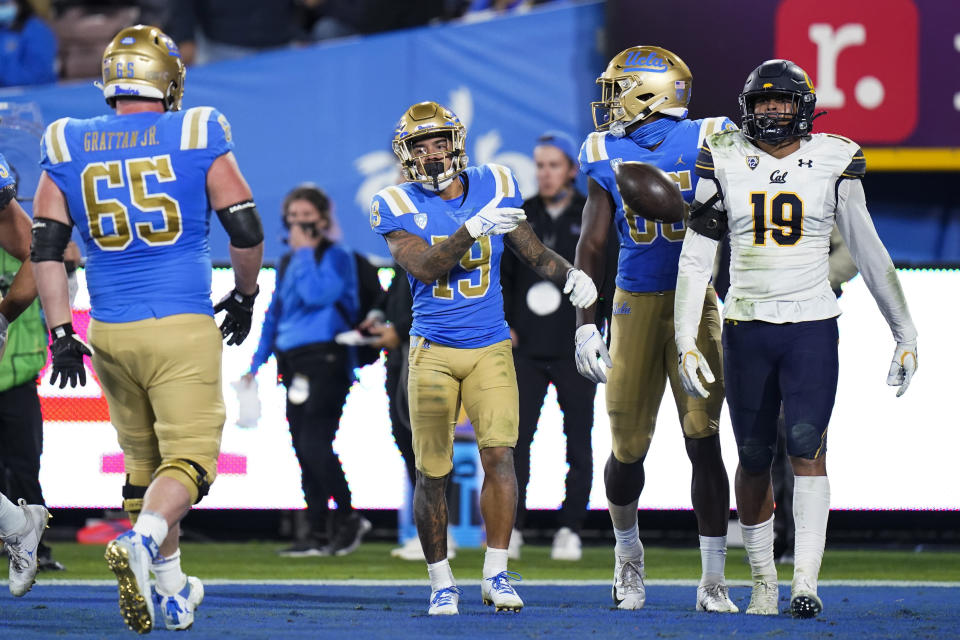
<point>780,214</point>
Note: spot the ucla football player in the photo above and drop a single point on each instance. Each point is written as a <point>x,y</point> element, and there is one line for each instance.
<point>778,189</point>
<point>642,116</point>
<point>446,226</point>
<point>140,186</point>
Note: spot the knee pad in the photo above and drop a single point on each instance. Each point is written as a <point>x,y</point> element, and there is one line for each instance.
<point>133,492</point>
<point>697,424</point>
<point>805,441</point>
<point>189,474</point>
<point>755,457</point>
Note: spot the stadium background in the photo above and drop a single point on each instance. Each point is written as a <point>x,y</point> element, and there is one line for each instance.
<point>325,113</point>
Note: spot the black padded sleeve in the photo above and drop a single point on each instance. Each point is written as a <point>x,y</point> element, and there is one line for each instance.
<point>242,223</point>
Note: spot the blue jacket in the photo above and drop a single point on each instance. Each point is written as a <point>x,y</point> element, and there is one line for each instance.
<point>27,56</point>
<point>303,309</point>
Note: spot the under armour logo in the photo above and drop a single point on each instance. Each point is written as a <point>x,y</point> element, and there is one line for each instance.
<point>804,163</point>
<point>778,178</point>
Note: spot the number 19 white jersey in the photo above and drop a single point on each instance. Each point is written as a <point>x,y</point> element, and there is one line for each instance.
<point>780,213</point>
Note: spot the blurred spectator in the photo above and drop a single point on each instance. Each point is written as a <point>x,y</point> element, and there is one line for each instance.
<point>314,300</point>
<point>338,18</point>
<point>542,330</point>
<point>85,28</point>
<point>212,30</point>
<point>28,47</point>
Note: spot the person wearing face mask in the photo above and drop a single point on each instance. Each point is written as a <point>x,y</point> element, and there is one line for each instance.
<point>314,300</point>
<point>28,47</point>
<point>541,329</point>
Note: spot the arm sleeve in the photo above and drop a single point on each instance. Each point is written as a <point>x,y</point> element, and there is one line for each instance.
<point>872,259</point>
<point>268,333</point>
<point>696,265</point>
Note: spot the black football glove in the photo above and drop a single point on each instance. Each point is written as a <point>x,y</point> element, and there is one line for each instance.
<point>68,351</point>
<point>239,308</point>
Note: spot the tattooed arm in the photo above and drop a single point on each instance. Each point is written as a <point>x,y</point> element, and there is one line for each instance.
<point>427,262</point>
<point>546,262</point>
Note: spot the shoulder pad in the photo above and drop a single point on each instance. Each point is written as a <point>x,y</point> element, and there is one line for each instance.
<point>205,127</point>
<point>594,148</point>
<point>710,126</point>
<point>506,183</point>
<point>54,146</point>
<point>396,199</point>
<point>857,167</point>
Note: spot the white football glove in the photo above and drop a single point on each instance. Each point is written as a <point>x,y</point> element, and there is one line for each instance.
<point>579,285</point>
<point>4,325</point>
<point>494,220</point>
<point>691,360</point>
<point>590,349</point>
<point>903,367</point>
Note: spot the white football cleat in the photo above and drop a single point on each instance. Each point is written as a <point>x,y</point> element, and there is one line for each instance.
<point>715,598</point>
<point>804,601</point>
<point>498,591</point>
<point>764,598</point>
<point>444,602</point>
<point>177,610</point>
<point>566,545</point>
<point>628,590</point>
<point>22,547</point>
<point>129,556</point>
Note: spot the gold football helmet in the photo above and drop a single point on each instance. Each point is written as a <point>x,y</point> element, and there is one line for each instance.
<point>142,61</point>
<point>429,119</point>
<point>640,81</point>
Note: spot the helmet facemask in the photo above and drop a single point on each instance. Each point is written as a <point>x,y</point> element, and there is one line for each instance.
<point>430,120</point>
<point>776,127</point>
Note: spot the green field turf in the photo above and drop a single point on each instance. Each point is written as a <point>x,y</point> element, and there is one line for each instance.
<point>372,561</point>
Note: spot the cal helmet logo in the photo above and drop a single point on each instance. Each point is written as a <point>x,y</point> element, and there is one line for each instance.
<point>420,219</point>
<point>753,161</point>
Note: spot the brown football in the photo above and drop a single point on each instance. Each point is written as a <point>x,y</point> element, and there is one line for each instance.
<point>649,192</point>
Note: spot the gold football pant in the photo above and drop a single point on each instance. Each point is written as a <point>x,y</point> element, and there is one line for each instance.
<point>162,381</point>
<point>644,357</point>
<point>442,378</point>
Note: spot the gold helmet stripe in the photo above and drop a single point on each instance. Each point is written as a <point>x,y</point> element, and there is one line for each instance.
<point>193,132</point>
<point>399,202</point>
<point>56,141</point>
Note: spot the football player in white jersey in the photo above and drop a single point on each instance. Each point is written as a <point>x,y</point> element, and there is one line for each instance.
<point>778,189</point>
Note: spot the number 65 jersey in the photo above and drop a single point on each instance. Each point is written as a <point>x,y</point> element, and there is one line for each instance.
<point>780,213</point>
<point>135,187</point>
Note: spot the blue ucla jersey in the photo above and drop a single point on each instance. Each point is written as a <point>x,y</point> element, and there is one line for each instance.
<point>135,187</point>
<point>464,308</point>
<point>649,251</point>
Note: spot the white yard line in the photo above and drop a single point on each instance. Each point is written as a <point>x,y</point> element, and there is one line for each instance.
<point>533,583</point>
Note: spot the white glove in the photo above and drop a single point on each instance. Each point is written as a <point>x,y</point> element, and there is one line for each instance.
<point>590,349</point>
<point>494,220</point>
<point>691,360</point>
<point>579,285</point>
<point>4,325</point>
<point>903,367</point>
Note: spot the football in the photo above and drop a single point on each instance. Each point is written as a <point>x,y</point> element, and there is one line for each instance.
<point>649,192</point>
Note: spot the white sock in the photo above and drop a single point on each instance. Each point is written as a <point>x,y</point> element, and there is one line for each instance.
<point>625,529</point>
<point>713,557</point>
<point>441,576</point>
<point>12,518</point>
<point>811,507</point>
<point>758,539</point>
<point>153,525</point>
<point>170,577</point>
<point>494,562</point>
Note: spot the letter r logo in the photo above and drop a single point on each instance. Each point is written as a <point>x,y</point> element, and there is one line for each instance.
<point>863,58</point>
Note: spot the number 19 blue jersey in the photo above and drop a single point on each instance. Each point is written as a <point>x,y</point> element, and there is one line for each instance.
<point>464,308</point>
<point>135,187</point>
